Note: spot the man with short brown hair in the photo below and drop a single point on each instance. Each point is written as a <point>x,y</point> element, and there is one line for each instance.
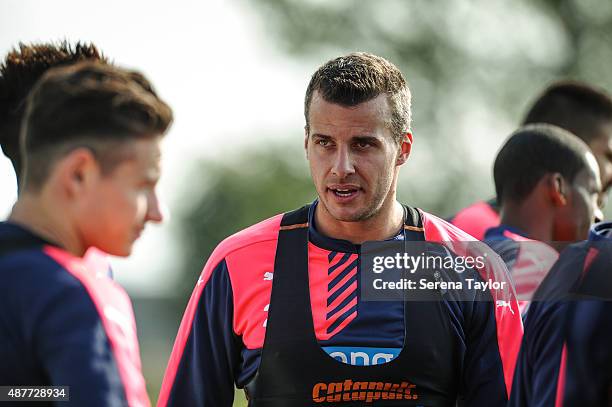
<point>279,308</point>
<point>91,144</point>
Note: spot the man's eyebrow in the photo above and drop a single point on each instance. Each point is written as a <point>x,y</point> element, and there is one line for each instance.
<point>366,139</point>
<point>358,139</point>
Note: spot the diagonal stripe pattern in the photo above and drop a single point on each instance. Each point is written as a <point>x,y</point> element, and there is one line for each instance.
<point>341,291</point>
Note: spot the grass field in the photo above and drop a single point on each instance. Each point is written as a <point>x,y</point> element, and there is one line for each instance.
<point>239,399</point>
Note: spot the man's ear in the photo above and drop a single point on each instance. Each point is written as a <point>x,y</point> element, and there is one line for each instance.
<point>558,189</point>
<point>77,171</point>
<point>404,150</point>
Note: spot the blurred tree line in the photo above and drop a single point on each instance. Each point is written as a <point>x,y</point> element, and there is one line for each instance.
<point>238,192</point>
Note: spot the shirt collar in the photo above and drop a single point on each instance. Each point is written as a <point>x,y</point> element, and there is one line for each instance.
<point>498,233</point>
<point>601,231</point>
<point>329,243</point>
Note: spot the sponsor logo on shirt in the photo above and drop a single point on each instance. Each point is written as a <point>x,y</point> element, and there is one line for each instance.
<point>362,356</point>
<point>368,392</point>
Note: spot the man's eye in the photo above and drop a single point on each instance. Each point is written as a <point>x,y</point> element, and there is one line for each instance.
<point>323,143</point>
<point>363,144</point>
<point>148,185</point>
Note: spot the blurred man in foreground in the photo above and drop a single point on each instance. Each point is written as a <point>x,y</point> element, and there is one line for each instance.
<point>90,145</point>
<point>278,308</point>
<point>576,107</point>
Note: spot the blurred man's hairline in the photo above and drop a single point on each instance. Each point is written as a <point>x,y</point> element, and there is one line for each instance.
<point>53,154</point>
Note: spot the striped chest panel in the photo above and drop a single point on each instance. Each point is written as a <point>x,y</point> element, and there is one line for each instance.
<point>333,285</point>
<point>334,296</point>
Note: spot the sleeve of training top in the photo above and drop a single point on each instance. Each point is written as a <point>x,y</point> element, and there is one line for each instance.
<point>206,354</point>
<point>483,375</point>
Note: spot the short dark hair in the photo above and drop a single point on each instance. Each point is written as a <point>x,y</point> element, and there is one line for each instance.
<point>92,105</point>
<point>359,77</point>
<point>19,71</point>
<point>574,106</point>
<point>532,152</point>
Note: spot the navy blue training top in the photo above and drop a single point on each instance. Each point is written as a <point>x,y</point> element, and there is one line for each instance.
<point>222,333</point>
<point>537,380</point>
<point>62,324</point>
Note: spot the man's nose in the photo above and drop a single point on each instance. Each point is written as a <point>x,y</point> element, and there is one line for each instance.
<point>343,165</point>
<point>154,210</point>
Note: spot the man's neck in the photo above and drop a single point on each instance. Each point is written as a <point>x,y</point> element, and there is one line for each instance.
<point>31,212</point>
<point>534,223</point>
<point>384,225</point>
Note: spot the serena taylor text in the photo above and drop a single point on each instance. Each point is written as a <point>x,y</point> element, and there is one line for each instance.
<point>425,284</point>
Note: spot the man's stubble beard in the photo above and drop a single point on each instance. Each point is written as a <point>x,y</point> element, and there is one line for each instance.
<point>371,211</point>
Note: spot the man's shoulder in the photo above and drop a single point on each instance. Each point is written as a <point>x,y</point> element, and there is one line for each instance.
<point>437,229</point>
<point>15,238</point>
<point>35,272</point>
<point>22,254</point>
<point>32,270</point>
<point>250,237</point>
<point>477,218</point>
<point>566,272</point>
<point>36,287</point>
<point>29,264</point>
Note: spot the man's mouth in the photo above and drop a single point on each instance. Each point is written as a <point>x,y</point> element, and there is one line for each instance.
<point>344,191</point>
